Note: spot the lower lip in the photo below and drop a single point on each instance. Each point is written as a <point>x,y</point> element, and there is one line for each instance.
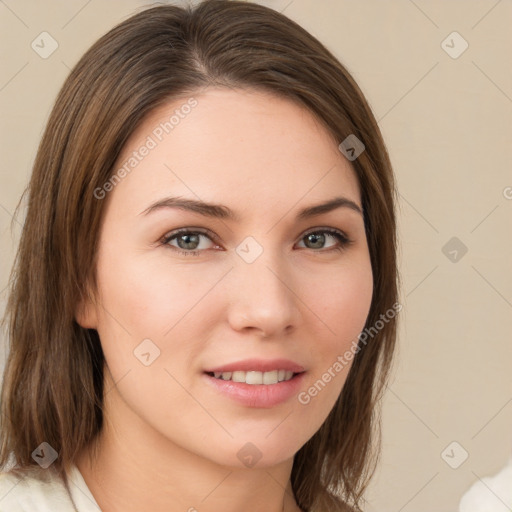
<point>258,395</point>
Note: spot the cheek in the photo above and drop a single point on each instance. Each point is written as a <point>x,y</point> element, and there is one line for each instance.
<point>147,297</point>
<point>342,308</point>
<point>343,302</point>
<point>154,298</point>
<point>140,296</point>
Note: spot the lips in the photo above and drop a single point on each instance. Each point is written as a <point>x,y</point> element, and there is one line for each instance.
<point>258,365</point>
<point>260,395</point>
<point>265,394</point>
<point>254,377</point>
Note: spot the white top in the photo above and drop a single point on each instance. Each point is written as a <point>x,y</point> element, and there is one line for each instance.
<point>42,491</point>
<point>488,494</point>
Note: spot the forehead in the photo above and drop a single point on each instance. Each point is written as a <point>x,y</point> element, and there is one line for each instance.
<point>235,147</point>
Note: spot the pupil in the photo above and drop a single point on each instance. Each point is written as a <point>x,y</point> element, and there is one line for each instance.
<point>186,240</point>
<point>315,238</point>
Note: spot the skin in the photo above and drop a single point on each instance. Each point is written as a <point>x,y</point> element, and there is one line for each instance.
<point>169,441</point>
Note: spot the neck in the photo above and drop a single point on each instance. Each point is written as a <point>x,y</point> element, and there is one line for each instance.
<point>136,468</point>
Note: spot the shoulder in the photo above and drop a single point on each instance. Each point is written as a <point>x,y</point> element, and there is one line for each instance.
<point>34,490</point>
<point>483,494</point>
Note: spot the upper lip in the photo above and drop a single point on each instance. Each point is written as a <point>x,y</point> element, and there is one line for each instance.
<point>259,365</point>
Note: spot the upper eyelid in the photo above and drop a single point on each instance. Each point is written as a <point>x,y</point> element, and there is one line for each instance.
<point>204,231</point>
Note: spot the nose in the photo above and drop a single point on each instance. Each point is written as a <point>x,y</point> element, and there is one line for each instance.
<point>264,296</point>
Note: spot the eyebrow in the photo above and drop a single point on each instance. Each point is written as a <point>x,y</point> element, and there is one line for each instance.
<point>223,212</point>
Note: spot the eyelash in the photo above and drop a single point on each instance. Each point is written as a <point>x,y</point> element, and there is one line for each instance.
<point>343,240</point>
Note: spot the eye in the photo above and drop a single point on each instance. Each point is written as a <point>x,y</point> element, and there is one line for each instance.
<point>188,241</point>
<point>318,238</point>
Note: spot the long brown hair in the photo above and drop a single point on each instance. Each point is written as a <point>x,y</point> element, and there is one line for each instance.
<point>53,383</point>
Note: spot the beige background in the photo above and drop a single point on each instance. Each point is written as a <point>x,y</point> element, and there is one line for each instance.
<point>447,122</point>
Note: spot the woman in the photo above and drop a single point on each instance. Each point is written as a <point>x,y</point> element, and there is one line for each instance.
<point>202,312</point>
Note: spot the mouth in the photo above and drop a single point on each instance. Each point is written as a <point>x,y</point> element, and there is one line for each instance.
<point>254,388</point>
<point>255,377</point>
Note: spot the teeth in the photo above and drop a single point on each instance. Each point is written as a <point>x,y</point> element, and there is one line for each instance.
<point>272,377</point>
<point>269,377</point>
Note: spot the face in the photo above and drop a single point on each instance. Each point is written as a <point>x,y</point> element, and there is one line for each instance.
<point>183,292</point>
